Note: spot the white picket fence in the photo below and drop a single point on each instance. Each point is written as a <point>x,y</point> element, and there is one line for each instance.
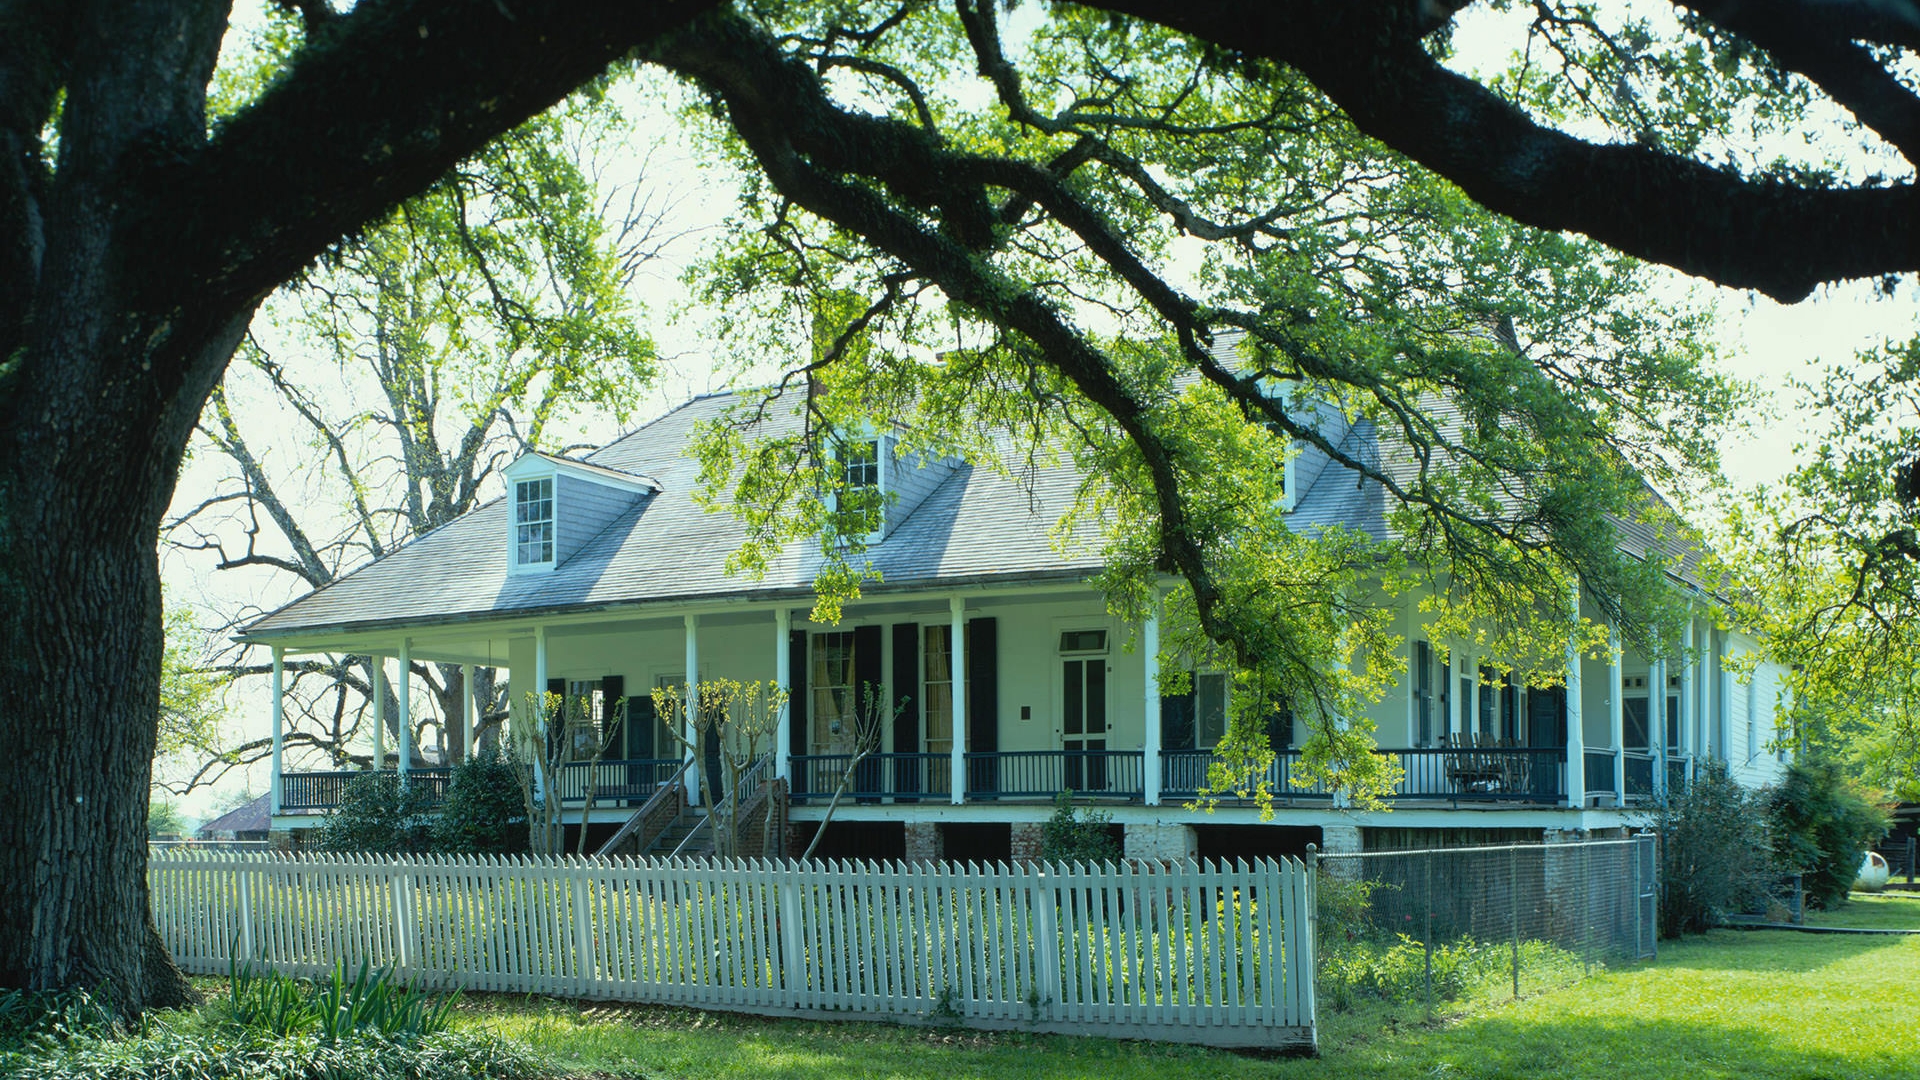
<point>1217,954</point>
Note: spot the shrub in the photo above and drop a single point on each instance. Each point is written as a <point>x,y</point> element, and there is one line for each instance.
<point>378,815</point>
<point>483,813</point>
<point>1823,825</point>
<point>372,1001</point>
<point>28,1016</point>
<point>1713,852</point>
<point>165,1053</point>
<point>1067,837</point>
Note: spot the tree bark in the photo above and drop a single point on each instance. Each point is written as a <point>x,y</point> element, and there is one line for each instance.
<point>131,259</point>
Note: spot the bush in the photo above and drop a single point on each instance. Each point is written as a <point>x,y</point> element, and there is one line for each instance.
<point>1823,825</point>
<point>372,1001</point>
<point>28,1016</point>
<point>165,1053</point>
<point>377,815</point>
<point>484,813</point>
<point>1714,858</point>
<point>1067,837</point>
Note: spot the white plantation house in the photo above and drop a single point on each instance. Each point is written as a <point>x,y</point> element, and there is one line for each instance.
<point>603,579</point>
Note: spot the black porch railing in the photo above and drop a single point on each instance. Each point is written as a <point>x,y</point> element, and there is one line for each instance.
<point>1183,773</point>
<point>1526,774</point>
<point>1639,777</point>
<point>878,777</point>
<point>325,790</point>
<point>1599,774</point>
<point>615,782</point>
<point>1446,774</point>
<point>1679,770</point>
<point>1042,774</point>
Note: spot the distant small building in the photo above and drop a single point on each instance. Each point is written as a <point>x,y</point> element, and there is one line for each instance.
<point>248,822</point>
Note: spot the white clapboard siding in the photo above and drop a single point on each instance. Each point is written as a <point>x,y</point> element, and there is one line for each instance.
<point>1217,953</point>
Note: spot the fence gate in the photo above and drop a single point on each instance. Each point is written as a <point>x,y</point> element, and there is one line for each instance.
<point>1646,883</point>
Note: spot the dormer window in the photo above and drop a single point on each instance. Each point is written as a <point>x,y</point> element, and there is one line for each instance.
<point>860,467</point>
<point>860,475</point>
<point>1281,397</point>
<point>557,506</point>
<point>533,522</point>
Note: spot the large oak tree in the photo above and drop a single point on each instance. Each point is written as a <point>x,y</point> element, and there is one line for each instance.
<point>136,239</point>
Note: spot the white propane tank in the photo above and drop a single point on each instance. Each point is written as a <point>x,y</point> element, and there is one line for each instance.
<point>1873,873</point>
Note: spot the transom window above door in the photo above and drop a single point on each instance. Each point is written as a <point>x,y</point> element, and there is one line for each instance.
<point>1093,642</point>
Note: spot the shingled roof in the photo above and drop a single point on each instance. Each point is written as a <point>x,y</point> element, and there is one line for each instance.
<point>976,526</point>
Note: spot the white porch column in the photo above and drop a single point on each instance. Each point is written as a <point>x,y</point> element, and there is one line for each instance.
<point>783,675</point>
<point>1456,666</point>
<point>1689,708</point>
<point>279,717</point>
<point>1576,729</point>
<point>536,741</point>
<point>1657,723</point>
<point>692,691</point>
<point>957,609</point>
<point>1617,716</point>
<point>1723,699</point>
<point>468,737</point>
<point>1470,678</point>
<point>1150,711</point>
<point>406,708</point>
<point>379,665</point>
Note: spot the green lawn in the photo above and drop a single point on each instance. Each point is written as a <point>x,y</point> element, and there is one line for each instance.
<point>1873,911</point>
<point>1731,1004</point>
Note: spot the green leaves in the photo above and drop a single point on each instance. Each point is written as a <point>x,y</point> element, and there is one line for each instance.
<point>1190,277</point>
<point>1825,568</point>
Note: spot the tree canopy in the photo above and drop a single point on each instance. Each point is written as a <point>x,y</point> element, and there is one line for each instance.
<point>138,233</point>
<point>477,321</point>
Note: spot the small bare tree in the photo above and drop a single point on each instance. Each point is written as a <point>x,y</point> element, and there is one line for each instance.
<point>870,715</point>
<point>740,717</point>
<point>563,734</point>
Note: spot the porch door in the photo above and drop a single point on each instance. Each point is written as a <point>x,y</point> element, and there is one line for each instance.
<point>937,703</point>
<point>1546,730</point>
<point>1084,722</point>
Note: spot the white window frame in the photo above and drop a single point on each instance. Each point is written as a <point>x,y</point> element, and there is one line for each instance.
<point>1200,734</point>
<point>823,736</point>
<point>882,443</point>
<point>1281,394</point>
<point>552,522</point>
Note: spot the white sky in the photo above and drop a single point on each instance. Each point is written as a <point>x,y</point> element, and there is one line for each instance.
<point>1761,341</point>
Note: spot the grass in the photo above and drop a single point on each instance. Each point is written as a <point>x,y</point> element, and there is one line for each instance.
<point>1771,1005</point>
<point>1873,911</point>
<point>1768,1005</point>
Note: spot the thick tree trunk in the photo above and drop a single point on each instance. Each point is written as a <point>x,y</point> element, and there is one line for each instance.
<point>131,257</point>
<point>79,691</point>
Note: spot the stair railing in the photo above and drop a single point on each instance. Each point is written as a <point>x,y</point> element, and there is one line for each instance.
<point>751,780</point>
<point>639,818</point>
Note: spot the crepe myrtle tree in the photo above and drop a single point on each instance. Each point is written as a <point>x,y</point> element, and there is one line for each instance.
<point>137,238</point>
<point>739,721</point>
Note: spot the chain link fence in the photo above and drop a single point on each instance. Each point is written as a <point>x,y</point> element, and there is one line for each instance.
<point>1442,924</point>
